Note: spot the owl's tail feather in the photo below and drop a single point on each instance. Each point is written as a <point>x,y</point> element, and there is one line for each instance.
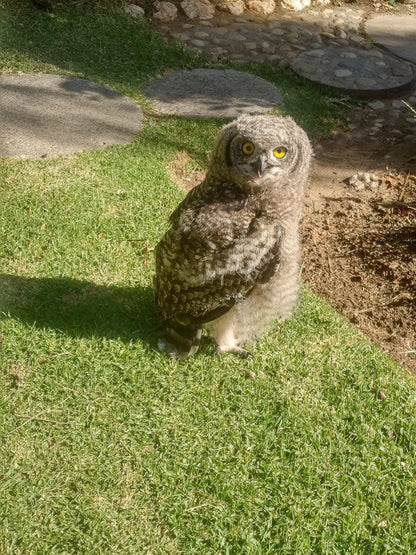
<point>180,341</point>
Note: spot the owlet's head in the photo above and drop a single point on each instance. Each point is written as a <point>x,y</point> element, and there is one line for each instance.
<point>256,150</point>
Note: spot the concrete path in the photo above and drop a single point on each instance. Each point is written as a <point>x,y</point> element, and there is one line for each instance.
<point>325,44</point>
<point>44,115</point>
<point>210,93</point>
<point>395,32</point>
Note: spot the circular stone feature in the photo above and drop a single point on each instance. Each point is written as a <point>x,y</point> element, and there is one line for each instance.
<point>397,33</point>
<point>359,71</point>
<point>43,115</point>
<point>212,93</point>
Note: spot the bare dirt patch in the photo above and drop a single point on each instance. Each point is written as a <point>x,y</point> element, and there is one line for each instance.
<point>185,172</point>
<point>359,249</point>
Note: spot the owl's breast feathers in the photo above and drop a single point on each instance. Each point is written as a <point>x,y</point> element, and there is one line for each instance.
<point>221,243</point>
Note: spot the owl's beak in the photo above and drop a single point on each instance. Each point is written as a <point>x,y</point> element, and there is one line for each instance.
<point>261,164</point>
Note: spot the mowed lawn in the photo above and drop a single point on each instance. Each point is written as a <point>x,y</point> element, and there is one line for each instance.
<point>106,445</point>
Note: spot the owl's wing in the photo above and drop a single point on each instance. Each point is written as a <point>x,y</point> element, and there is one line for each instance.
<point>184,305</point>
<point>209,294</point>
<point>217,249</point>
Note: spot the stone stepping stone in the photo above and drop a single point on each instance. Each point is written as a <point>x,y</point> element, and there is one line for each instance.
<point>44,115</point>
<point>362,72</point>
<point>397,33</point>
<point>212,93</point>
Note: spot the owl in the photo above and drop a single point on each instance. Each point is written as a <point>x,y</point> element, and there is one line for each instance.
<point>230,260</point>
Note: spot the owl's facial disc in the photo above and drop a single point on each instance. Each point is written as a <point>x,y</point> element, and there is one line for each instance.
<point>259,163</point>
<point>258,160</point>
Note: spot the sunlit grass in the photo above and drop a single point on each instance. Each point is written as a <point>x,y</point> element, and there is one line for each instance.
<point>107,446</point>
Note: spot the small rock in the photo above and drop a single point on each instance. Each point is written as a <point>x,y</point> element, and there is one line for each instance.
<point>250,375</point>
<point>234,7</point>
<point>296,5</point>
<point>348,55</point>
<point>355,183</point>
<point>366,82</point>
<point>198,43</point>
<point>342,73</point>
<point>376,105</point>
<point>340,33</point>
<point>261,7</point>
<point>133,10</point>
<point>267,48</point>
<point>217,51</point>
<point>363,180</point>
<point>166,11</point>
<point>198,9</point>
<point>316,53</point>
<point>201,35</point>
<point>356,38</point>
<point>277,31</point>
<point>401,70</point>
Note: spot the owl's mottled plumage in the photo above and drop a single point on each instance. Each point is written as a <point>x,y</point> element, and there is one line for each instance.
<point>230,259</point>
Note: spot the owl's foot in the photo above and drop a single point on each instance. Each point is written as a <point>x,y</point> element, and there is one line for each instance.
<point>243,353</point>
<point>173,351</point>
<point>178,345</point>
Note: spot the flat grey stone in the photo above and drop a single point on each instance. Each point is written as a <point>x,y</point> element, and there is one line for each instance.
<point>212,93</point>
<point>395,32</point>
<point>44,115</point>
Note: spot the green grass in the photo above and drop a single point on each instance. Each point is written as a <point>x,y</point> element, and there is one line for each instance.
<point>107,446</point>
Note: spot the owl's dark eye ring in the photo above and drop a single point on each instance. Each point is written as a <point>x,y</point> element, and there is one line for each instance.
<point>247,148</point>
<point>279,152</point>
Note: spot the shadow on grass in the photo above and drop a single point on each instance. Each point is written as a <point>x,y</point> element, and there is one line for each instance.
<point>99,42</point>
<point>80,308</point>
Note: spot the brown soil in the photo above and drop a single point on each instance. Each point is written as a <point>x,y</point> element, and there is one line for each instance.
<point>360,245</point>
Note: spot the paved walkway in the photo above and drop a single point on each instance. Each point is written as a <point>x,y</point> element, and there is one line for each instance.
<point>327,45</point>
<point>44,115</point>
<point>395,32</point>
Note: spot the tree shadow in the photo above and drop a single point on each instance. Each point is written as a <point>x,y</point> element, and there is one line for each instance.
<point>96,44</point>
<point>80,308</point>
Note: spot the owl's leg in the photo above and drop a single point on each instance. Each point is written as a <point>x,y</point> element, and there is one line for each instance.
<point>222,331</point>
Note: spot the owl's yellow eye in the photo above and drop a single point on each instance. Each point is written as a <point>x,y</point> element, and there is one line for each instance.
<point>247,148</point>
<point>279,152</point>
